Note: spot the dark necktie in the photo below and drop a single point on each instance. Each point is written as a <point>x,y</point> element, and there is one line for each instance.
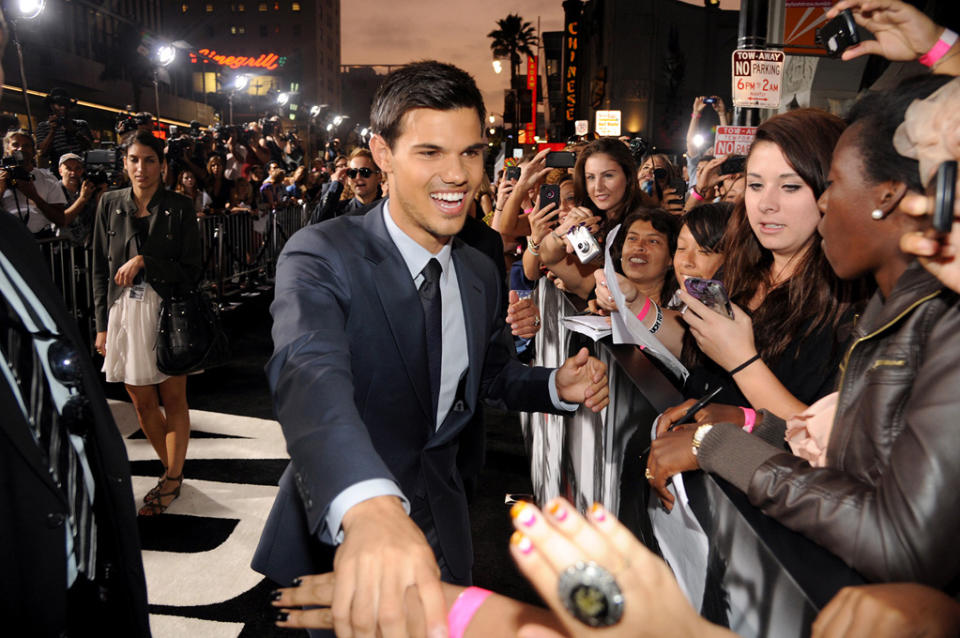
<point>433,318</point>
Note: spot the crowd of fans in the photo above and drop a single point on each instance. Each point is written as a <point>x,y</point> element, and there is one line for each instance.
<point>53,179</point>
<point>830,349</point>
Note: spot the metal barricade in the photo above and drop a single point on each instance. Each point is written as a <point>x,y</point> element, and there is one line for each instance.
<point>71,267</point>
<point>773,581</point>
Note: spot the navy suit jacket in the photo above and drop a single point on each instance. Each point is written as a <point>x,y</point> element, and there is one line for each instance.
<point>351,388</point>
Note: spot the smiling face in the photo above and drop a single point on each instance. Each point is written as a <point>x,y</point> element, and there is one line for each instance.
<point>692,260</point>
<point>364,188</point>
<point>143,167</point>
<point>646,254</point>
<point>434,169</point>
<point>605,181</point>
<point>781,207</point>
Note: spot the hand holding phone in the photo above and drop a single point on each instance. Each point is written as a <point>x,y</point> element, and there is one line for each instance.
<point>944,197</point>
<point>839,34</point>
<point>711,293</point>
<point>561,159</point>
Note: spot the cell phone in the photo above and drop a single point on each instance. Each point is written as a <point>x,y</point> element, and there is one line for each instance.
<point>944,197</point>
<point>733,164</point>
<point>709,100</point>
<point>561,159</point>
<point>549,194</point>
<point>513,172</point>
<point>839,34</point>
<point>711,293</point>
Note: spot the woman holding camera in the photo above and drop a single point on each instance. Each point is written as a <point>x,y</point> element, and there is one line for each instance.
<point>146,247</point>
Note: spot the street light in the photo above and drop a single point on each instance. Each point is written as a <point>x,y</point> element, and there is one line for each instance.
<point>26,10</point>
<point>497,66</point>
<point>314,110</point>
<point>283,98</point>
<point>166,54</point>
<point>240,82</point>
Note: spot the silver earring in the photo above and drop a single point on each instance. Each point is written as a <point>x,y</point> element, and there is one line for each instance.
<point>877,214</point>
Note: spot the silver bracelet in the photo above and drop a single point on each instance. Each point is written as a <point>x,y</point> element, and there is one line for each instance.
<point>656,324</point>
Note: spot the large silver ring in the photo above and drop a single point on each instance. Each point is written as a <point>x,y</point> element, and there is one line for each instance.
<point>591,594</point>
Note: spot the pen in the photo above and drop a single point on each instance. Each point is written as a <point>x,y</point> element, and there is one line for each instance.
<point>696,407</point>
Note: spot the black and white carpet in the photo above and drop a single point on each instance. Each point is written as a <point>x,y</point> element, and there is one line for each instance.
<point>197,556</point>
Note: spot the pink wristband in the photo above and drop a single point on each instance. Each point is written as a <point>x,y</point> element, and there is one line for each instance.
<point>463,609</point>
<point>694,194</point>
<point>643,311</point>
<point>938,50</point>
<point>749,418</point>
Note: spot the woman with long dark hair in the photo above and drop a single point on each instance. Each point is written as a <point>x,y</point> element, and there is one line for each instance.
<point>146,247</point>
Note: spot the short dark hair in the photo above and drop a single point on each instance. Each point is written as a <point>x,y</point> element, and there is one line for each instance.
<point>429,85</point>
<point>662,222</point>
<point>144,138</point>
<point>878,116</point>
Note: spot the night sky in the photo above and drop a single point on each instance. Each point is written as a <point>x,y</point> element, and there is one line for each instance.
<point>400,31</point>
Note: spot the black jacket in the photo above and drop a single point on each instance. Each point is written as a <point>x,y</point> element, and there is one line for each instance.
<point>171,251</point>
<point>33,571</point>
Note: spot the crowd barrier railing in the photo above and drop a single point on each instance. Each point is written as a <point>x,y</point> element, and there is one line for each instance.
<point>769,580</point>
<point>235,249</point>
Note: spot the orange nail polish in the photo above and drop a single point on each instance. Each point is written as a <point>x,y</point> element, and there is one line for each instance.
<point>522,543</point>
<point>557,511</point>
<point>598,513</point>
<point>517,508</point>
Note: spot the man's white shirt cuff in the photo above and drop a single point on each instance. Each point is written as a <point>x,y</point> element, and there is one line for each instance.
<point>357,493</point>
<point>555,396</point>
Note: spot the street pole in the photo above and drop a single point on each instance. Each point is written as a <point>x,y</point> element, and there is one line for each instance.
<point>751,34</point>
<point>156,95</point>
<point>23,75</point>
<point>230,102</point>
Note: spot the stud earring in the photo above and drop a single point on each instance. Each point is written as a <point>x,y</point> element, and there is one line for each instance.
<point>877,214</point>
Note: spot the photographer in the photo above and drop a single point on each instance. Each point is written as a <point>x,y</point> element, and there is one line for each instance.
<point>60,133</point>
<point>82,196</point>
<point>181,155</point>
<point>33,195</point>
<point>292,152</point>
<point>272,131</point>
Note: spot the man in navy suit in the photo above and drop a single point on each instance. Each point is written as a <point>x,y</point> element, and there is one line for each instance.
<point>387,331</point>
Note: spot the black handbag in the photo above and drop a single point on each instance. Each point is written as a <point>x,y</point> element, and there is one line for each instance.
<point>189,335</point>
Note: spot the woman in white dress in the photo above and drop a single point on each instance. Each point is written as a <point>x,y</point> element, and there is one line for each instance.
<point>146,247</point>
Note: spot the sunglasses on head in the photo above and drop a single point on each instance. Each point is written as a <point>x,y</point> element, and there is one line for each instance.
<point>362,172</point>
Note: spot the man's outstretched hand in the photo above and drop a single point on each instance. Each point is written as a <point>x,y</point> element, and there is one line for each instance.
<point>583,379</point>
<point>382,554</point>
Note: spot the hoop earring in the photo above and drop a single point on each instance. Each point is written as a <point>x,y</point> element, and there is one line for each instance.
<point>877,214</point>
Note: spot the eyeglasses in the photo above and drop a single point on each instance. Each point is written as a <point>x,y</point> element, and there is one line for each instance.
<point>363,172</point>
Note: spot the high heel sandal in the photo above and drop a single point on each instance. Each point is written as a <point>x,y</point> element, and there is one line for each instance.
<point>151,496</point>
<point>157,506</point>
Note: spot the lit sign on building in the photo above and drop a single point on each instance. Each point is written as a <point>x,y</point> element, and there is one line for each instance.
<point>531,128</point>
<point>266,61</point>
<point>570,63</point>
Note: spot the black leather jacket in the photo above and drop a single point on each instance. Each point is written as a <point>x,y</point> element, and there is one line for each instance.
<point>171,251</point>
<point>886,501</point>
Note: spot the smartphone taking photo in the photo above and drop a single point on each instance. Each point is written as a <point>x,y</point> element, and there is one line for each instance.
<point>711,293</point>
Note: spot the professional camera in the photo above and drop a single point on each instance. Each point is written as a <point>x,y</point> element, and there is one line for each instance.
<point>638,148</point>
<point>131,122</point>
<point>103,166</point>
<point>16,168</point>
<point>176,148</point>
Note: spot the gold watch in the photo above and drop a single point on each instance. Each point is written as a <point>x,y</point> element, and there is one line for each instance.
<point>698,436</point>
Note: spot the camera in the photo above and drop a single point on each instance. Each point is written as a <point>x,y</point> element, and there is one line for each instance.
<point>838,34</point>
<point>584,244</point>
<point>103,166</point>
<point>733,164</point>
<point>131,122</point>
<point>176,148</point>
<point>16,168</point>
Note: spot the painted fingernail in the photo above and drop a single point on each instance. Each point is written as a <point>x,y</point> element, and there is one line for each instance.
<point>557,511</point>
<point>282,616</point>
<point>523,514</point>
<point>598,513</point>
<point>296,582</point>
<point>521,542</point>
<point>276,594</point>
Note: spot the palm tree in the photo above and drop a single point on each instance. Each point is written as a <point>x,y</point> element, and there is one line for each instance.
<point>514,37</point>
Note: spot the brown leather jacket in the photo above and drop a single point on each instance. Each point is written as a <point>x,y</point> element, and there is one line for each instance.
<point>887,501</point>
<point>171,252</point>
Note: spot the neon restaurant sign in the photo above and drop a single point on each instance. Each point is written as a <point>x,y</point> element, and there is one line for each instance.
<point>266,61</point>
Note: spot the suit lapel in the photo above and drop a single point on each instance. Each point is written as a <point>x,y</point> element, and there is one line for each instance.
<point>401,306</point>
